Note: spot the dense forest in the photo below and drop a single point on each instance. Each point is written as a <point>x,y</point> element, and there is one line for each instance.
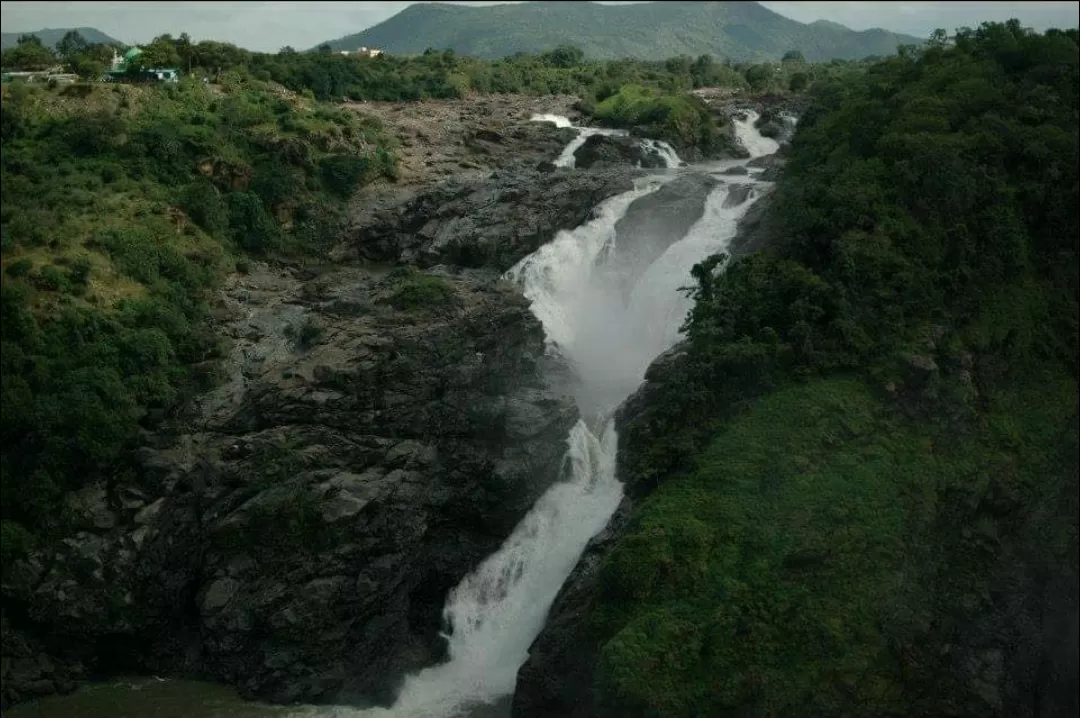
<point>911,340</point>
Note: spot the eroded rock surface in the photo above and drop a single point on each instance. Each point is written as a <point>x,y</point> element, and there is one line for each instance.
<point>492,222</point>
<point>617,150</point>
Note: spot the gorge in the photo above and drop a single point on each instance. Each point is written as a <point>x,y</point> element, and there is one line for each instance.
<point>605,290</point>
<point>621,403</point>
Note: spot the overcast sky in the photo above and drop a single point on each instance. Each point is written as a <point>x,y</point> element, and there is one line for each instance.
<point>268,26</point>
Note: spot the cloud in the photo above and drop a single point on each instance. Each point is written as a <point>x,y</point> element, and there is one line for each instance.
<point>269,26</point>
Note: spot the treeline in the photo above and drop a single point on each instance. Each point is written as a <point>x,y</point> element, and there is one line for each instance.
<point>434,74</point>
<point>868,455</point>
<point>123,206</point>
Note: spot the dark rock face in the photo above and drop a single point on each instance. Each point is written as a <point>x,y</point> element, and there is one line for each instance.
<point>484,223</point>
<point>304,531</point>
<point>757,227</point>
<point>615,150</point>
<point>771,166</point>
<point>653,223</point>
<point>519,144</point>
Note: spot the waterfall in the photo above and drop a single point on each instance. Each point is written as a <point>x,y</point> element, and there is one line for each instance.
<point>495,613</point>
<point>751,139</point>
<point>566,157</point>
<point>557,120</point>
<point>666,152</point>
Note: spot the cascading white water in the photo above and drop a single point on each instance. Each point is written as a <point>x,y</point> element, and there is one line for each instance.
<point>566,157</point>
<point>751,139</point>
<point>496,612</point>
<point>557,120</point>
<point>666,152</point>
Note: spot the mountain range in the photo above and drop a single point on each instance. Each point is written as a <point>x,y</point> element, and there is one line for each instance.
<point>656,30</point>
<point>50,36</point>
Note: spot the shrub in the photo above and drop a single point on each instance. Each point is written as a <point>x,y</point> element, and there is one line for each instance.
<point>19,268</point>
<point>423,292</point>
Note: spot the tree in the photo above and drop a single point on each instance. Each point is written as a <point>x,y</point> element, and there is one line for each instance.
<point>28,54</point>
<point>161,52</point>
<point>793,56</point>
<point>702,70</point>
<point>564,56</point>
<point>71,45</point>
<point>87,67</point>
<point>185,50</point>
<point>325,48</point>
<point>798,82</point>
<point>758,77</point>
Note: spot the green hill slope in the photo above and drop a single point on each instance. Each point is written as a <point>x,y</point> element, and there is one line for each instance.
<point>50,36</point>
<point>738,30</point>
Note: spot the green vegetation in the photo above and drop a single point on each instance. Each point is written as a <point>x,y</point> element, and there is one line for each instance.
<point>651,97</point>
<point>682,120</point>
<point>871,446</point>
<point>422,292</point>
<point>123,207</point>
<point>432,74</point>
<point>652,31</point>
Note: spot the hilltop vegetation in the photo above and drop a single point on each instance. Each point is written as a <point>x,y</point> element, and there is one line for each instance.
<point>739,31</point>
<point>123,206</point>
<point>911,346</point>
<point>51,37</point>
<point>432,75</point>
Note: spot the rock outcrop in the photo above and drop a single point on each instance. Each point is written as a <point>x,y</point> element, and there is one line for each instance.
<point>492,222</point>
<point>617,150</point>
<point>653,223</point>
<point>439,139</point>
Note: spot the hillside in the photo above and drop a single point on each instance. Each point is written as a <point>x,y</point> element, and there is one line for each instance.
<point>737,30</point>
<point>50,36</point>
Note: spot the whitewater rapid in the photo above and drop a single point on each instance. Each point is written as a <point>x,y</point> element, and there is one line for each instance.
<point>496,612</point>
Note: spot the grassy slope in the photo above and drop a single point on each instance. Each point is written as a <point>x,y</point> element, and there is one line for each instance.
<point>741,31</point>
<point>803,579</point>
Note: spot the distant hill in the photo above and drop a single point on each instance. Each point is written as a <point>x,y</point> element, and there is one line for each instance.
<point>656,30</point>
<point>49,36</point>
